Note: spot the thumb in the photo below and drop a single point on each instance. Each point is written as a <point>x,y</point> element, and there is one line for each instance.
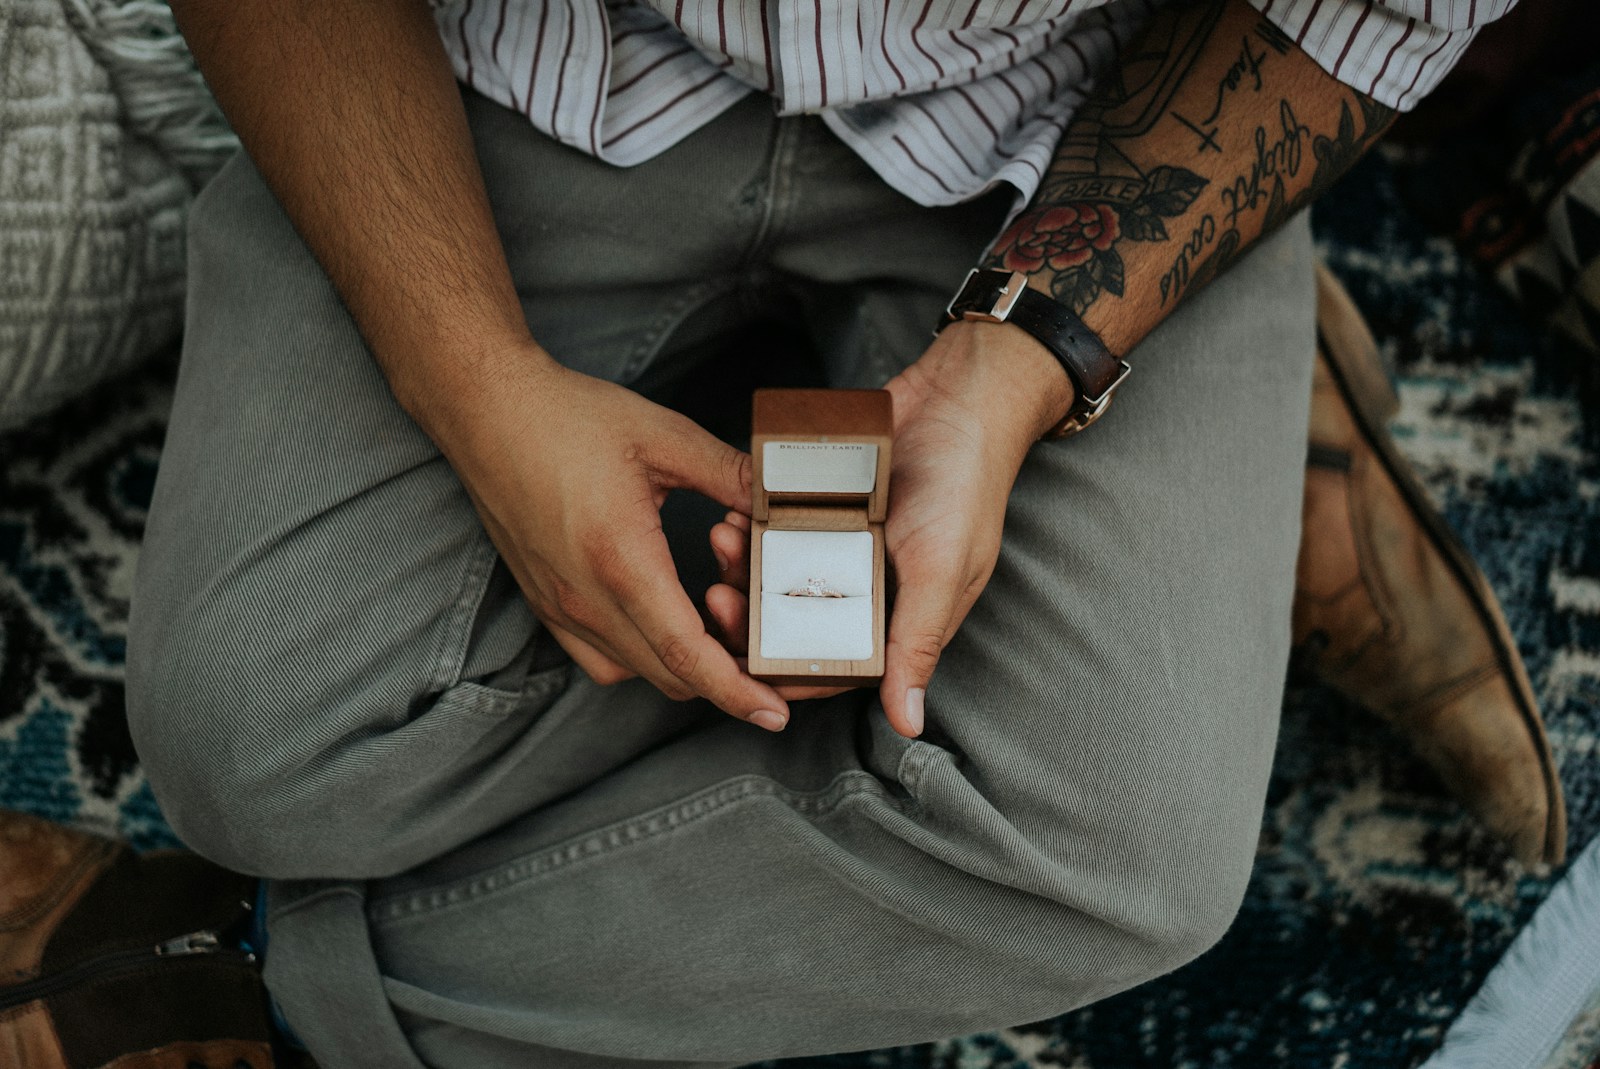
<point>918,629</point>
<point>694,459</point>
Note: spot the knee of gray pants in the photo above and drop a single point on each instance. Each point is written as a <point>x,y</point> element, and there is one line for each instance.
<point>211,793</point>
<point>1145,851</point>
<point>267,767</point>
<point>175,693</point>
<point>355,809</point>
<point>231,787</point>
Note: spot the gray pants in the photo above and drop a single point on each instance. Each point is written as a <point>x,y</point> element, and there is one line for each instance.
<point>480,858</point>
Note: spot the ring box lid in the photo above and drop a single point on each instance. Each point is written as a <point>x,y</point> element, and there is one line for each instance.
<point>816,456</point>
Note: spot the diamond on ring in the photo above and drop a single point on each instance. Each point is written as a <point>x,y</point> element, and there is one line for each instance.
<point>814,588</point>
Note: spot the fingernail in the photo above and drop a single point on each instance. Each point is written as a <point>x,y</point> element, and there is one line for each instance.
<point>722,562</point>
<point>767,718</point>
<point>914,698</point>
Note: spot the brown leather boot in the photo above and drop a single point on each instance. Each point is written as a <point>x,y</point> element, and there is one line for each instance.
<point>112,959</point>
<point>1392,611</point>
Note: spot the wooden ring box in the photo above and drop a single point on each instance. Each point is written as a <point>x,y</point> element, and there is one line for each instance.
<point>820,497</point>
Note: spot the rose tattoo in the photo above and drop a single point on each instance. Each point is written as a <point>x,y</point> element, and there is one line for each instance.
<point>1076,238</point>
<point>1062,237</point>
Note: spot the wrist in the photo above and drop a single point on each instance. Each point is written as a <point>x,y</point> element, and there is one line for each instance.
<point>1020,383</point>
<point>448,394</point>
<point>997,296</point>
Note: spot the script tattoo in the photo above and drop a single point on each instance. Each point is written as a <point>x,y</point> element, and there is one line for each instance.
<point>1245,69</point>
<point>1201,238</point>
<point>1276,156</point>
<point>1273,160</point>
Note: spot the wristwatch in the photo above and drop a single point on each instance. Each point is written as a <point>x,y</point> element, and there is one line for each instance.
<point>1004,297</point>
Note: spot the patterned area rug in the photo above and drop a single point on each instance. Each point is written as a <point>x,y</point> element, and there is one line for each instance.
<point>1376,907</point>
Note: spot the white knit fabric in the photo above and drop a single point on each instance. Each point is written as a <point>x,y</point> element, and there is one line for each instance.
<point>105,131</point>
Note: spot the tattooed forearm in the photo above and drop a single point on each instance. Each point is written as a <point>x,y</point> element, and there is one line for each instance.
<point>1213,129</point>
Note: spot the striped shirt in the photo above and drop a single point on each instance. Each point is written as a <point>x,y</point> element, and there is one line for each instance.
<point>945,99</point>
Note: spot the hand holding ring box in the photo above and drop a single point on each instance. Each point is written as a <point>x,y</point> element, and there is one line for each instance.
<point>816,546</point>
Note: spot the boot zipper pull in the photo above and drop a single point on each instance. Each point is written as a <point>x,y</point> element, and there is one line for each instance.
<point>202,942</point>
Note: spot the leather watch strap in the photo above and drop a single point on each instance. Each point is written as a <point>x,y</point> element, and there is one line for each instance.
<point>1004,297</point>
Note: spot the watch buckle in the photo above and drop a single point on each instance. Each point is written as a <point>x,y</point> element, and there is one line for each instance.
<point>1004,301</point>
<point>1096,407</point>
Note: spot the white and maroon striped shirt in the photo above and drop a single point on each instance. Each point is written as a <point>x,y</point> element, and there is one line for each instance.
<point>943,98</point>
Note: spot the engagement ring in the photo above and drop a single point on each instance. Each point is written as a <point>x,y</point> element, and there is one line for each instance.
<point>814,588</point>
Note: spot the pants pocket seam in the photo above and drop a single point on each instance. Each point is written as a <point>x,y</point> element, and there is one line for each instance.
<point>605,841</point>
<point>455,627</point>
<point>492,703</point>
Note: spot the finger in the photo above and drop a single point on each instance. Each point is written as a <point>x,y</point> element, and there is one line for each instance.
<point>699,662</point>
<point>624,643</point>
<point>738,519</point>
<point>654,601</point>
<point>588,651</point>
<point>599,667</point>
<point>924,617</point>
<point>730,611</point>
<point>731,547</point>
<point>598,634</point>
<point>693,459</point>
